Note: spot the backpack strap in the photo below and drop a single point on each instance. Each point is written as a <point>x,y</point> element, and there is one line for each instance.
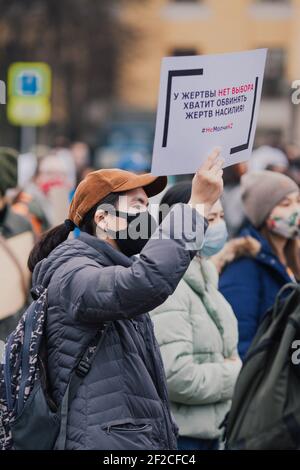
<point>76,379</point>
<point>28,348</point>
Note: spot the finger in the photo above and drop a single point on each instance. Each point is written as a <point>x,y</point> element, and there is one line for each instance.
<point>216,177</point>
<point>217,165</point>
<point>209,162</point>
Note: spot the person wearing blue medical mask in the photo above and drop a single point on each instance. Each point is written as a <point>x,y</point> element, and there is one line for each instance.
<point>216,235</point>
<point>198,336</point>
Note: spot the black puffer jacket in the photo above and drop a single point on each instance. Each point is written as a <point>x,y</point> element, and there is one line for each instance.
<point>122,402</point>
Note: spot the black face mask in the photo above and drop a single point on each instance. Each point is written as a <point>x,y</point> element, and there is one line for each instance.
<point>139,230</point>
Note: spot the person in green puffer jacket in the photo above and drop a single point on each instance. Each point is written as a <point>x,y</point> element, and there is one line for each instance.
<point>197,333</point>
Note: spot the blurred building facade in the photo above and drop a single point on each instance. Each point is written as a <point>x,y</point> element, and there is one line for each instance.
<point>188,27</point>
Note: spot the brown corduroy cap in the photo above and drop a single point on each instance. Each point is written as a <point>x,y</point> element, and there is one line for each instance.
<point>98,184</point>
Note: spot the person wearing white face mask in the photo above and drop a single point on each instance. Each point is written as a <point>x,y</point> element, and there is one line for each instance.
<point>197,334</point>
<point>250,284</point>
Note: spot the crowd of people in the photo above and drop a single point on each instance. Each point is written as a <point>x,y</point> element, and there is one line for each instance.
<point>177,313</point>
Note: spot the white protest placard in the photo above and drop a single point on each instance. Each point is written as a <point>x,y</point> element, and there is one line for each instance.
<point>204,102</point>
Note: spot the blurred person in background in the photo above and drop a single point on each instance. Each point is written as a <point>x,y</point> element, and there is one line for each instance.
<point>264,157</point>
<point>26,204</point>
<point>68,166</point>
<point>27,163</point>
<point>251,282</point>
<point>270,158</point>
<point>197,333</point>
<point>21,202</point>
<point>52,184</point>
<point>16,241</point>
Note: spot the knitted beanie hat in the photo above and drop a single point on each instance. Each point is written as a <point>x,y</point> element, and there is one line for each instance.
<point>261,191</point>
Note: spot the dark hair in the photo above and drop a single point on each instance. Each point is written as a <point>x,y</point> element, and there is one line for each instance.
<point>57,235</point>
<point>179,192</point>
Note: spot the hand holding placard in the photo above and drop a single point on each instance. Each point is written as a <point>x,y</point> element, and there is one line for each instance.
<point>207,184</point>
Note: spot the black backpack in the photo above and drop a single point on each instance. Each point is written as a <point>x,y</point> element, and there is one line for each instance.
<point>265,411</point>
<point>29,419</point>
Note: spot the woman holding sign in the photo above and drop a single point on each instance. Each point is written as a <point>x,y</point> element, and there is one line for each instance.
<point>95,284</point>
